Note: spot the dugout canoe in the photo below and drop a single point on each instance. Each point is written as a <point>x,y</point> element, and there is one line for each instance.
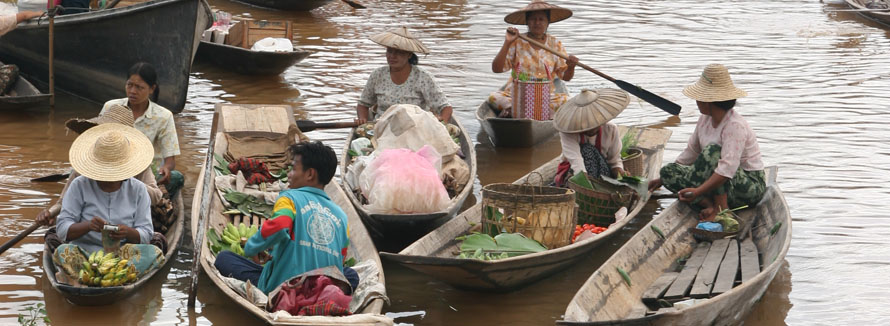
<point>606,299</point>
<point>246,61</point>
<point>266,120</point>
<point>434,254</point>
<point>94,50</point>
<point>401,229</point>
<point>509,132</point>
<point>100,296</point>
<point>290,5</point>
<point>881,16</point>
<point>23,95</point>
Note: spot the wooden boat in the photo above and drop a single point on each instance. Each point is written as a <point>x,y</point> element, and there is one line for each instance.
<point>266,120</point>
<point>292,5</point>
<point>22,96</point>
<point>881,16</point>
<point>606,299</point>
<point>434,254</point>
<point>164,33</point>
<point>405,228</point>
<point>99,296</point>
<point>246,61</point>
<point>509,132</point>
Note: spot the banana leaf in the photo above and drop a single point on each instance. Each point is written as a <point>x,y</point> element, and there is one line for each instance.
<point>638,184</point>
<point>581,180</point>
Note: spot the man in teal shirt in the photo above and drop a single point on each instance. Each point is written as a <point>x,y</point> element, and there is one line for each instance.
<point>307,230</point>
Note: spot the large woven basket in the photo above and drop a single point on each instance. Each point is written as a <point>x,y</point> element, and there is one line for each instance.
<point>633,164</point>
<point>598,206</point>
<point>545,214</point>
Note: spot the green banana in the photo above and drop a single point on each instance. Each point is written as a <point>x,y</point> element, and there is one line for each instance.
<point>242,231</point>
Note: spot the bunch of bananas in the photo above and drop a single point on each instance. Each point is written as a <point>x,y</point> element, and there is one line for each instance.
<point>105,270</point>
<point>236,236</point>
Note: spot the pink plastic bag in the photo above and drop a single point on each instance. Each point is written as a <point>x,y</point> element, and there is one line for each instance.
<point>400,181</point>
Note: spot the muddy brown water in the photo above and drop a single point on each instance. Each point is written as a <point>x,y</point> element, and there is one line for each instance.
<point>819,85</point>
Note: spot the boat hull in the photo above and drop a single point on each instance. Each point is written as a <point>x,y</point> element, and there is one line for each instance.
<point>247,62</point>
<point>290,5</point>
<point>882,17</point>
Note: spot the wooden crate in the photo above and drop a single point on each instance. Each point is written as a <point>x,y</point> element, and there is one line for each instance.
<point>245,34</point>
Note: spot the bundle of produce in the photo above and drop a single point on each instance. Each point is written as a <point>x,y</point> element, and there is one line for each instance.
<point>106,270</point>
<point>247,205</point>
<point>505,245</point>
<point>233,238</point>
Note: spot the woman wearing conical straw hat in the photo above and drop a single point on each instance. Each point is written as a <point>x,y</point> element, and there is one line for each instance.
<point>721,166</point>
<point>590,143</point>
<point>523,58</point>
<point>107,157</point>
<point>401,81</point>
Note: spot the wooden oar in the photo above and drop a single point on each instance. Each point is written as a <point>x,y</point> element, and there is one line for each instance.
<point>658,101</point>
<point>51,178</point>
<point>860,10</point>
<point>354,4</point>
<point>52,75</point>
<point>18,237</point>
<point>203,211</point>
<point>307,125</point>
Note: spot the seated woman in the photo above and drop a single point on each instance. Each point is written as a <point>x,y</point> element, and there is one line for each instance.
<point>153,120</point>
<point>721,166</point>
<point>107,157</point>
<point>401,81</point>
<point>523,57</point>
<point>590,143</point>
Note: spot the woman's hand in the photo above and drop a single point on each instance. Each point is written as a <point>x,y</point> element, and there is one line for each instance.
<point>97,223</point>
<point>572,61</point>
<point>654,184</point>
<point>164,172</point>
<point>688,194</point>
<point>44,218</point>
<point>619,172</point>
<point>123,232</point>
<point>512,35</point>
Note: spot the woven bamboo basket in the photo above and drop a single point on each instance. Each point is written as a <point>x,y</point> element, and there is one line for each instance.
<point>598,206</point>
<point>709,236</point>
<point>545,214</point>
<point>633,164</point>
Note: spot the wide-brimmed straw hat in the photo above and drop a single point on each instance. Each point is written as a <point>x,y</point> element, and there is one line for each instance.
<point>111,152</point>
<point>557,13</point>
<point>590,109</point>
<point>714,85</point>
<point>400,38</point>
<point>114,114</point>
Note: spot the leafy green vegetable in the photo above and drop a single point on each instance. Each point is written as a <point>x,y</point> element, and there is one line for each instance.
<point>581,180</point>
<point>352,153</point>
<point>221,164</point>
<point>624,275</point>
<point>627,141</point>
<point>484,247</point>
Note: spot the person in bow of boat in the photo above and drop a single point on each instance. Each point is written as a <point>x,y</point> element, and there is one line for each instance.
<point>401,81</point>
<point>153,120</point>
<point>308,231</point>
<point>590,143</point>
<point>525,59</point>
<point>107,157</point>
<point>721,166</point>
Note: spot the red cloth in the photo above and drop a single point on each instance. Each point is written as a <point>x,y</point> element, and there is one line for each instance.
<point>314,295</point>
<point>254,171</point>
<point>562,173</point>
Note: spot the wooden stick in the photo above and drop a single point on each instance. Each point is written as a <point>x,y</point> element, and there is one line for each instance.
<point>203,213</point>
<point>308,125</point>
<point>52,75</point>
<point>354,4</point>
<point>18,237</point>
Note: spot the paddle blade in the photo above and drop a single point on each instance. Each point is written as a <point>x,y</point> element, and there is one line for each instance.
<point>51,178</point>
<point>658,101</point>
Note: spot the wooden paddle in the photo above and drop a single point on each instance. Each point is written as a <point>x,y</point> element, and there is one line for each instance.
<point>354,4</point>
<point>52,76</point>
<point>202,220</point>
<point>307,125</point>
<point>18,237</point>
<point>658,101</point>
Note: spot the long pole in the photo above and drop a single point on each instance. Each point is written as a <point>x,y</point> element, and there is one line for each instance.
<point>203,213</point>
<point>18,237</point>
<point>52,76</point>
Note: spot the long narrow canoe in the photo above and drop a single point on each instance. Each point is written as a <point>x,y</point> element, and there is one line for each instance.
<point>405,228</point>
<point>23,96</point>
<point>605,298</point>
<point>291,5</point>
<point>434,254</point>
<point>94,50</point>
<point>881,16</point>
<point>510,132</point>
<point>246,61</point>
<point>100,296</point>
<point>275,119</point>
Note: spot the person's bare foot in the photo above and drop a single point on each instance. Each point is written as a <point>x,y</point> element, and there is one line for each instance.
<point>709,212</point>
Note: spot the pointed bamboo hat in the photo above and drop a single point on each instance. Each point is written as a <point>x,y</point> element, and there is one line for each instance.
<point>400,38</point>
<point>590,109</point>
<point>714,85</point>
<point>111,152</point>
<point>116,113</point>
<point>557,13</point>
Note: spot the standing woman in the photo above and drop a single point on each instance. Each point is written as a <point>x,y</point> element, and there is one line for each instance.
<point>521,56</point>
<point>721,165</point>
<point>153,120</point>
<point>401,81</point>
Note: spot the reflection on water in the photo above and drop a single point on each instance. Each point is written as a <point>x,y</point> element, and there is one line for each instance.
<point>817,81</point>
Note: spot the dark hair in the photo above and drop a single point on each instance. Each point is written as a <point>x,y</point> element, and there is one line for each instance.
<point>413,59</point>
<point>529,13</point>
<point>145,71</point>
<point>725,105</point>
<point>315,155</point>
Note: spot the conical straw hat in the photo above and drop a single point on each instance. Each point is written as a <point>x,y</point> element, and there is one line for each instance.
<point>557,13</point>
<point>590,109</point>
<point>714,85</point>
<point>402,39</point>
<point>111,152</point>
<point>114,114</point>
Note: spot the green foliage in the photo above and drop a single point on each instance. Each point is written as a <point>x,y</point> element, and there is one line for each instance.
<point>627,141</point>
<point>349,262</point>
<point>221,166</point>
<point>36,314</point>
<point>484,247</point>
<point>248,204</point>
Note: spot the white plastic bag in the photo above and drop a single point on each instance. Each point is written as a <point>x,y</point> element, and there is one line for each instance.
<point>401,181</point>
<point>272,44</point>
<point>409,126</point>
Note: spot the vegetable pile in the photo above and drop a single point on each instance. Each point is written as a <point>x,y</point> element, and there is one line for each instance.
<point>505,245</point>
<point>587,227</point>
<point>233,238</point>
<point>105,270</point>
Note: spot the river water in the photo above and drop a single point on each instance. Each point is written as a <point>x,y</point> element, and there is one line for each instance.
<point>818,84</point>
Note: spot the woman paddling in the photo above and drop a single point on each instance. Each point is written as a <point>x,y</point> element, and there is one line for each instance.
<point>401,81</point>
<point>721,165</point>
<point>522,57</point>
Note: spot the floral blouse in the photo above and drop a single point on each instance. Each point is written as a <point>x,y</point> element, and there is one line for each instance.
<point>157,124</point>
<point>540,63</point>
<point>419,89</point>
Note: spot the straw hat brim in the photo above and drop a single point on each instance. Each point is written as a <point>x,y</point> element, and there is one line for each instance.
<point>706,93</point>
<point>135,158</point>
<point>404,43</point>
<point>557,13</point>
<point>590,109</point>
